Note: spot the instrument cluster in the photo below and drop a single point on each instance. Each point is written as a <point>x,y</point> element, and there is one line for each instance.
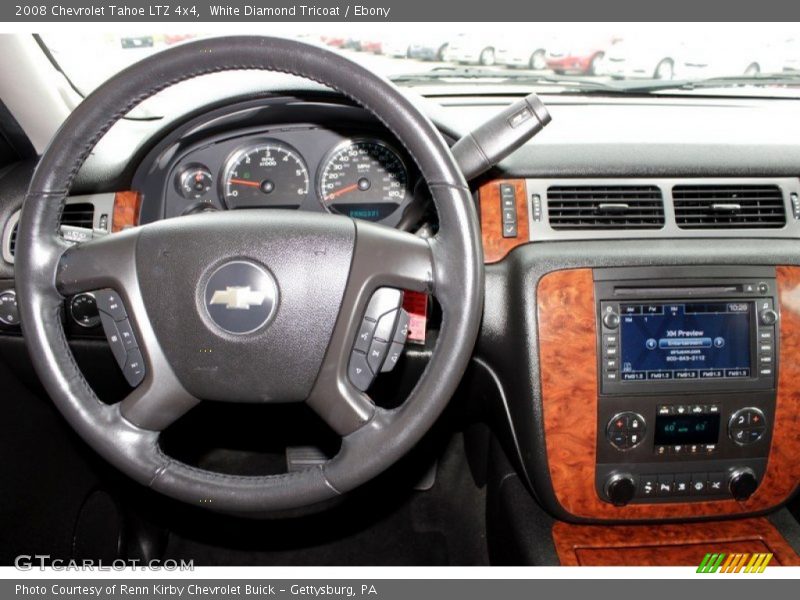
<point>294,167</point>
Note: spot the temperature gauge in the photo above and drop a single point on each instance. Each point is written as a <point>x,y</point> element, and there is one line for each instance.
<point>194,182</point>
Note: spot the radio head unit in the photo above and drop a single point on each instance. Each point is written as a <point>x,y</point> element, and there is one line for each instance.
<point>659,336</point>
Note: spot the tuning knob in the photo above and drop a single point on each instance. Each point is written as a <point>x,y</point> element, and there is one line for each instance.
<point>768,317</point>
<point>620,489</point>
<point>742,483</point>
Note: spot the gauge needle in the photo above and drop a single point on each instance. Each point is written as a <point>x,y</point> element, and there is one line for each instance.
<point>344,190</point>
<point>245,182</point>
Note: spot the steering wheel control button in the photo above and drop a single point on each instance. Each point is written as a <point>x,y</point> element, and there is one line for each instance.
<point>377,352</point>
<point>359,372</point>
<point>626,430</point>
<point>384,331</point>
<point>401,328</point>
<point>364,338</point>
<point>384,300</point>
<point>747,426</point>
<point>134,367</point>
<point>109,302</point>
<point>240,297</point>
<point>114,339</point>
<point>126,334</point>
<point>83,310</point>
<point>395,352</point>
<point>9,311</point>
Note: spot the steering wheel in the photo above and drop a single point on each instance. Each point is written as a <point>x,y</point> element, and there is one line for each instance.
<point>319,275</point>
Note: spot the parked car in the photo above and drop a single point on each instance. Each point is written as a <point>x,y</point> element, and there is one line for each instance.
<point>428,49</point>
<point>527,54</point>
<point>702,60</point>
<point>639,57</point>
<point>140,41</point>
<point>395,46</point>
<point>470,49</point>
<point>582,59</point>
<point>373,46</point>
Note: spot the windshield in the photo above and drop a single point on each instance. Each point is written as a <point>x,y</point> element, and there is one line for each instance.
<point>725,59</point>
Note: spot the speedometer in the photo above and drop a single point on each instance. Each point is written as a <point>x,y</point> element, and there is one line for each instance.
<point>363,179</point>
<point>270,174</point>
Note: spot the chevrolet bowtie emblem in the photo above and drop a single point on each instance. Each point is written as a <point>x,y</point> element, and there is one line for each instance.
<point>238,298</point>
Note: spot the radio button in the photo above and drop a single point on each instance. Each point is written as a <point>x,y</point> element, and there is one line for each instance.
<point>611,364</point>
<point>610,339</point>
<point>765,371</point>
<point>611,351</point>
<point>611,320</point>
<point>611,375</point>
<point>768,317</point>
<point>763,288</point>
<point>765,360</point>
<point>765,334</point>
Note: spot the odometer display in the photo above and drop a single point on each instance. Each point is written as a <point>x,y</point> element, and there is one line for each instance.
<point>363,179</point>
<point>271,174</point>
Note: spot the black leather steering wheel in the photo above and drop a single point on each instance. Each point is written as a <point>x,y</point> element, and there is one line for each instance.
<point>325,268</point>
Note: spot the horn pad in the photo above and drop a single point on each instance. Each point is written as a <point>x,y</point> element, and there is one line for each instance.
<point>244,303</point>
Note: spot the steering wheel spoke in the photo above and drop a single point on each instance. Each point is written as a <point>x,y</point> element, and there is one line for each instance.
<point>385,262</point>
<point>107,268</point>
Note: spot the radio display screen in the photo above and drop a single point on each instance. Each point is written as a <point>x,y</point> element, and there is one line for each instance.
<point>685,341</point>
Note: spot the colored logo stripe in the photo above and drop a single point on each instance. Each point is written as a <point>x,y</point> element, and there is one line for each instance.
<point>735,563</point>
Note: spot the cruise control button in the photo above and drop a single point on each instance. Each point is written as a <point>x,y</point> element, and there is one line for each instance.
<point>126,333</point>
<point>134,368</point>
<point>383,301</point>
<point>358,371</point>
<point>109,302</point>
<point>384,331</point>
<point>395,352</point>
<point>376,354</point>
<point>364,337</point>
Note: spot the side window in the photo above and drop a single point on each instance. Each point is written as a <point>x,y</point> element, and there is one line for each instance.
<point>14,144</point>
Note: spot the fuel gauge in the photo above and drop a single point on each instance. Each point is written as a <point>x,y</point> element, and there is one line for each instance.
<point>194,182</point>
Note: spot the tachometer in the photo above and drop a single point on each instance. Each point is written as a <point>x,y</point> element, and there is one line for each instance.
<point>363,179</point>
<point>271,174</point>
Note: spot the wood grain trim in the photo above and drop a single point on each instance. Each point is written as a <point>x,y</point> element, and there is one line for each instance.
<point>567,326</point>
<point>495,246</point>
<point>667,545</point>
<point>126,210</point>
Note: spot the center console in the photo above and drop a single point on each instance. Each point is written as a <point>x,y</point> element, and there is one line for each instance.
<point>687,364</point>
<point>669,392</point>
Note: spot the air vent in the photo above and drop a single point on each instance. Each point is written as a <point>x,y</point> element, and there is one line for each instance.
<point>605,207</point>
<point>729,206</point>
<point>79,214</point>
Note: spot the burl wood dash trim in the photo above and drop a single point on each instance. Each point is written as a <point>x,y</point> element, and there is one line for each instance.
<point>567,344</point>
<point>495,246</point>
<point>668,545</point>
<point>126,210</point>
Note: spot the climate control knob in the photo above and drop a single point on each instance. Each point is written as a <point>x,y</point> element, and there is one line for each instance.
<point>742,483</point>
<point>620,489</point>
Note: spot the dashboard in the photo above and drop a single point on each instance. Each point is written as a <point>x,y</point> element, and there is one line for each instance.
<point>548,282</point>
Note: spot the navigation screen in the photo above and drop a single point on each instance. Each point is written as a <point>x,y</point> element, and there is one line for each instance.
<point>699,340</point>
